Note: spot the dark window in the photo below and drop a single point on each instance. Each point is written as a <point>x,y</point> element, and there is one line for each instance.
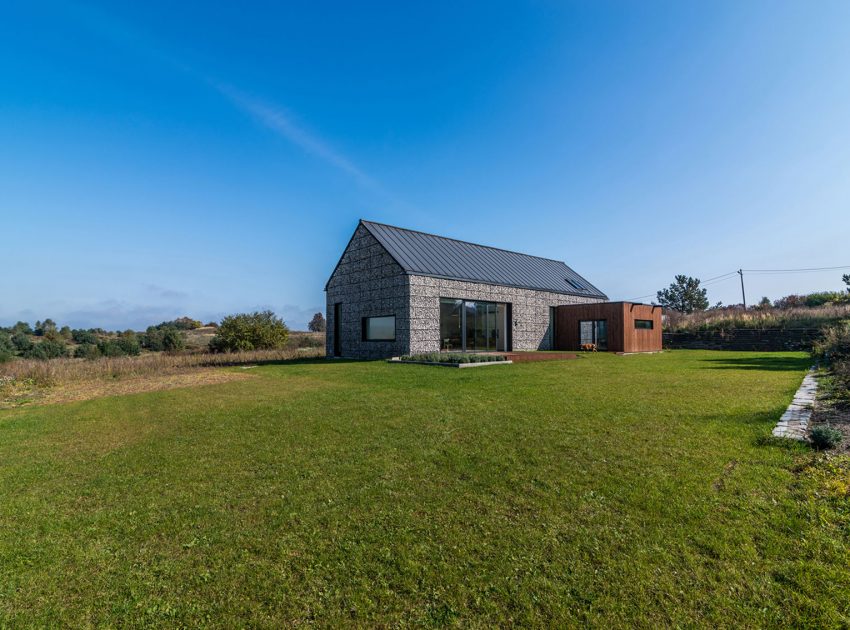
<point>379,328</point>
<point>575,284</point>
<point>645,324</point>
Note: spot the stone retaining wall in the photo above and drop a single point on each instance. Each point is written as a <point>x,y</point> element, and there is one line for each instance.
<point>767,340</point>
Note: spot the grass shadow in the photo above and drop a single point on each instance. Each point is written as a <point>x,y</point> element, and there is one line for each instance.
<point>760,362</point>
<point>785,443</point>
<point>296,361</point>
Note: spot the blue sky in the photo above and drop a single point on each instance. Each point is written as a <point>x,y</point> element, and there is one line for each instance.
<point>160,159</point>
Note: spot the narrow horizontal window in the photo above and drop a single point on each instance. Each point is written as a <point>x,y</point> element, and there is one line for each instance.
<point>379,328</point>
<point>645,324</point>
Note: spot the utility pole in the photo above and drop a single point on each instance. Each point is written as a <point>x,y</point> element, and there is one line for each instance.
<point>743,295</point>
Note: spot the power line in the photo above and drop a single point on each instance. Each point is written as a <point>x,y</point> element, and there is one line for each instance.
<point>728,276</point>
<point>806,270</point>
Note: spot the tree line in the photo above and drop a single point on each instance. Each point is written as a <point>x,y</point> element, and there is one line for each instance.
<point>259,330</point>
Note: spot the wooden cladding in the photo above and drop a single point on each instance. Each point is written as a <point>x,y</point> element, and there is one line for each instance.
<point>630,327</point>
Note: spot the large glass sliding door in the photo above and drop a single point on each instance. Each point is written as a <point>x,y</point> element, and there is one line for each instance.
<point>473,326</point>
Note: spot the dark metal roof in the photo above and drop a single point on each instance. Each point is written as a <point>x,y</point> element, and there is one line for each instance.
<point>425,254</point>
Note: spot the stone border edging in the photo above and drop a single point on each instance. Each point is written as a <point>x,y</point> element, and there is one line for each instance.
<point>794,423</point>
<point>451,365</point>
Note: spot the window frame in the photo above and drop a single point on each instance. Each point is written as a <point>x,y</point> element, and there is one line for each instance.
<point>649,321</point>
<point>364,328</point>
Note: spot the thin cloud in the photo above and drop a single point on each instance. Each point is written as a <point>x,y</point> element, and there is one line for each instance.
<point>271,116</point>
<point>281,122</point>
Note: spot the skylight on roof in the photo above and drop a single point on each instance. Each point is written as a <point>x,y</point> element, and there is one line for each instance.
<point>575,284</point>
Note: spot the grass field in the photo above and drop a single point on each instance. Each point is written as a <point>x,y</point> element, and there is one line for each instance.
<point>611,491</point>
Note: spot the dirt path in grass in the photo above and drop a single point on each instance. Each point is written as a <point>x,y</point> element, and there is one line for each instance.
<point>87,390</point>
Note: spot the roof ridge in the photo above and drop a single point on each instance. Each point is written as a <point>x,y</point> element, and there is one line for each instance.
<point>458,240</point>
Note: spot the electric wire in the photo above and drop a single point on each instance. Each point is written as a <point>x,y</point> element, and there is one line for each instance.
<point>728,276</point>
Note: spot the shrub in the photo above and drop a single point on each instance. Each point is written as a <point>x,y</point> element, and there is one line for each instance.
<point>110,348</point>
<point>167,338</point>
<point>825,297</point>
<point>65,333</point>
<point>7,350</point>
<point>825,437</point>
<point>173,340</point>
<point>84,336</point>
<point>126,344</point>
<point>250,331</point>
<point>47,349</point>
<point>86,351</point>
<point>834,345</point>
<point>21,342</point>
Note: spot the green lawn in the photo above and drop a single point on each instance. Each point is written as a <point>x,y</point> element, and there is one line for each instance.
<point>612,491</point>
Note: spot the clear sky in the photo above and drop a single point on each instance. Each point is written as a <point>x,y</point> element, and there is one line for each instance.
<point>160,159</point>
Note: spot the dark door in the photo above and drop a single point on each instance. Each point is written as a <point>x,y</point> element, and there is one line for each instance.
<point>337,328</point>
<point>594,331</point>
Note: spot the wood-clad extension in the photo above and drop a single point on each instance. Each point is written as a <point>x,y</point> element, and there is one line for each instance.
<point>625,332</point>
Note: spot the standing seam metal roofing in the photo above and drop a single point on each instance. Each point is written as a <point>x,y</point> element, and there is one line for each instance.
<point>423,254</point>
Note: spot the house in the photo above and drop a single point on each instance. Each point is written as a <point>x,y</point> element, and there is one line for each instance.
<point>396,291</point>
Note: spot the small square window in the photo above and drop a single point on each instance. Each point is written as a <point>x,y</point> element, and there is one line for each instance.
<point>379,328</point>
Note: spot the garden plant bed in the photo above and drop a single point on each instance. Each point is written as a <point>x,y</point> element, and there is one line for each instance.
<point>455,360</point>
<point>527,357</point>
<point>832,409</point>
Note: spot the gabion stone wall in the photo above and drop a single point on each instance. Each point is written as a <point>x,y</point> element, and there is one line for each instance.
<point>764,340</point>
<point>530,310</point>
<point>368,283</point>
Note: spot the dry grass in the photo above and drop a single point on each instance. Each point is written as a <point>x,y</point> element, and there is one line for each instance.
<point>87,390</point>
<point>59,380</point>
<point>728,318</point>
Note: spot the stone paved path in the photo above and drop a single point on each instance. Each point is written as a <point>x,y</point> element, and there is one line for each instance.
<point>794,423</point>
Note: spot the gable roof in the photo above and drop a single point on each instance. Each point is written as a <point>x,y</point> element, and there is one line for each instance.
<point>423,254</point>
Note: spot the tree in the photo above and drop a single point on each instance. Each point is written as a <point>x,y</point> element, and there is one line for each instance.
<point>764,304</point>
<point>45,328</point>
<point>317,324</point>
<point>250,331</point>
<point>22,327</point>
<point>684,295</point>
<point>846,278</point>
<point>65,333</point>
